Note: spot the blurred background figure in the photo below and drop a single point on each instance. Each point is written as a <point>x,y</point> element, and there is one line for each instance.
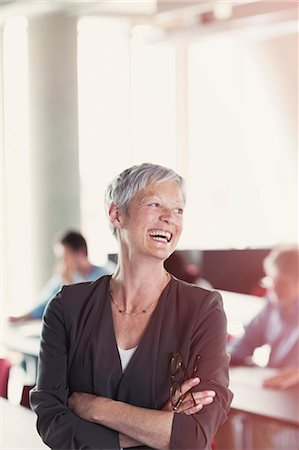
<point>277,323</point>
<point>277,326</point>
<point>184,268</point>
<point>72,266</point>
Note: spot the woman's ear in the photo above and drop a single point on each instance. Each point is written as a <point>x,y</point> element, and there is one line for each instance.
<point>115,215</point>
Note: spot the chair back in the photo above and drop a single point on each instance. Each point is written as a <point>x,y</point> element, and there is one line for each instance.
<point>5,366</point>
<point>25,395</point>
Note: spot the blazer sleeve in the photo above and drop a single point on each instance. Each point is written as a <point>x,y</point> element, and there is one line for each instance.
<point>208,348</point>
<point>58,426</point>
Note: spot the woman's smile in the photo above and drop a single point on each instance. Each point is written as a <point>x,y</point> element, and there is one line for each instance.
<point>154,219</point>
<point>160,235</point>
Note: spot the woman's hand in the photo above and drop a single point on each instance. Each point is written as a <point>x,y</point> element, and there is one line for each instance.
<point>84,405</point>
<point>191,402</point>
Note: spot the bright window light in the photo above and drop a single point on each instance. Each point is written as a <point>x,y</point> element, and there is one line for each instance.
<point>243,157</point>
<point>126,115</point>
<point>153,96</point>
<point>17,239</point>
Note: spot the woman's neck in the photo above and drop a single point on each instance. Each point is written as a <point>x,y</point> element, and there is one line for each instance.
<point>135,285</point>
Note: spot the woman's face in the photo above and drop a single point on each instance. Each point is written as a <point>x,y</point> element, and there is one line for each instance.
<point>153,224</point>
<point>283,287</point>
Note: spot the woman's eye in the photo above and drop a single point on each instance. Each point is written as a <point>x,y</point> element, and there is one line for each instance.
<point>179,210</point>
<point>154,204</point>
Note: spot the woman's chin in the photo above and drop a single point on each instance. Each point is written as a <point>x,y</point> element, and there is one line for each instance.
<point>162,254</point>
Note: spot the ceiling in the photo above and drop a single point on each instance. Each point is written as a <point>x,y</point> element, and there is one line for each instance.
<point>171,16</point>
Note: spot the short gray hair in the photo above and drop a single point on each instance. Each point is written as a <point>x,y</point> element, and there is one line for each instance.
<point>128,183</point>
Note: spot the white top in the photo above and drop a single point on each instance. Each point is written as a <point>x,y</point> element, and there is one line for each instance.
<point>125,356</point>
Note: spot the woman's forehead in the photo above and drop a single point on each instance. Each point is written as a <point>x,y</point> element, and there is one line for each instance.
<point>164,188</point>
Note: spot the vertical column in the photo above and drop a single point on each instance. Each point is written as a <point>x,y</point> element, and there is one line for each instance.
<point>1,85</point>
<point>182,108</point>
<point>53,118</point>
<point>2,197</point>
<point>15,196</point>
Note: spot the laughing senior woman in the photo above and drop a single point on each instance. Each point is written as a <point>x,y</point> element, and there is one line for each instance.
<point>137,358</point>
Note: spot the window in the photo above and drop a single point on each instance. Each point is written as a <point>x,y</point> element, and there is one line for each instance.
<point>242,174</point>
<point>126,114</point>
<point>16,205</point>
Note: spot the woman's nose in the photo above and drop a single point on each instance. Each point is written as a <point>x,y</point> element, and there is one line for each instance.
<point>167,216</point>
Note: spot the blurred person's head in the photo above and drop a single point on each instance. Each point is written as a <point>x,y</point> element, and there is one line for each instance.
<point>70,249</point>
<point>282,274</point>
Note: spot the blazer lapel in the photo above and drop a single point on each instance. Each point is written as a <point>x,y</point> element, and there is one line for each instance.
<point>107,371</point>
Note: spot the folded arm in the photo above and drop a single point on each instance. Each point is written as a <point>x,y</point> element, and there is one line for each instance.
<point>209,345</point>
<point>112,424</point>
<point>109,424</point>
<point>58,426</point>
<point>136,425</point>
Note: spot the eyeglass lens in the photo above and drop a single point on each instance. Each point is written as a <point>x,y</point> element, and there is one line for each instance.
<point>176,364</point>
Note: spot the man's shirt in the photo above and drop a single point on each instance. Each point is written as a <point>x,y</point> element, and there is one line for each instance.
<point>55,284</point>
<point>271,326</point>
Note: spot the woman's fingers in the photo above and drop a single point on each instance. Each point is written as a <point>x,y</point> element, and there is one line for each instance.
<point>192,402</point>
<point>203,395</point>
<point>189,384</point>
<point>192,410</point>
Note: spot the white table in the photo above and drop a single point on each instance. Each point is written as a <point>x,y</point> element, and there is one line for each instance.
<point>23,338</point>
<point>18,428</point>
<point>251,397</point>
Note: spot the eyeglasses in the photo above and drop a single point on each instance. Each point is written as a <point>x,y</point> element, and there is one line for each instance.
<point>177,377</point>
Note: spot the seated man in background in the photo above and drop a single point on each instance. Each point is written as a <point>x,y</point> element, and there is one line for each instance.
<point>277,323</point>
<point>72,266</point>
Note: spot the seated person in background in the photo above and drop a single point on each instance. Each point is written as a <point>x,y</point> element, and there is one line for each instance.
<point>277,326</point>
<point>277,323</point>
<point>181,268</point>
<point>72,266</point>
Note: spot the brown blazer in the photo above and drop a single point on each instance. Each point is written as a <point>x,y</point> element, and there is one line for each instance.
<point>79,353</point>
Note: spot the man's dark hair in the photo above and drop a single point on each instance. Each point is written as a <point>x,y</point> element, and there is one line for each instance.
<point>74,240</point>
